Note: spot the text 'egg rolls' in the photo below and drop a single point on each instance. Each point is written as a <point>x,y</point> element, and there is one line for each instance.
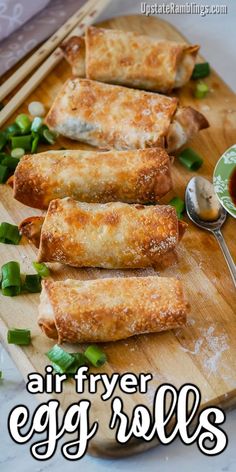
<point>110,309</point>
<point>111,116</point>
<point>109,235</point>
<point>131,59</point>
<point>139,176</point>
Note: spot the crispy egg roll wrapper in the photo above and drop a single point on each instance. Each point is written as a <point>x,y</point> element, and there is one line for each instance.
<point>187,122</point>
<point>109,235</point>
<point>31,228</point>
<point>110,309</point>
<point>130,59</point>
<point>140,176</point>
<point>111,116</point>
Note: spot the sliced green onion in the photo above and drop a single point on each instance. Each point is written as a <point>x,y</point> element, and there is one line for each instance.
<point>36,124</point>
<point>11,281</point>
<point>21,337</point>
<point>95,355</point>
<point>3,155</point>
<point>3,139</point>
<point>12,130</point>
<point>201,70</point>
<point>41,131</point>
<point>32,283</point>
<point>10,162</point>
<point>17,152</point>
<point>36,109</point>
<point>79,360</point>
<point>23,142</point>
<point>1,376</point>
<point>201,90</point>
<point>60,358</point>
<point>4,174</point>
<point>35,142</point>
<point>58,369</point>
<point>179,205</point>
<point>9,234</point>
<point>24,123</point>
<point>190,159</point>
<point>49,136</point>
<point>41,269</point>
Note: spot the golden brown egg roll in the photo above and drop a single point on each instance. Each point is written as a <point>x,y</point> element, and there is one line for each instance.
<point>110,235</point>
<point>137,176</point>
<point>111,116</point>
<point>110,309</point>
<point>131,59</point>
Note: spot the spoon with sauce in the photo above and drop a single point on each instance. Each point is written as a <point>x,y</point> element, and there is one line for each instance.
<point>204,209</point>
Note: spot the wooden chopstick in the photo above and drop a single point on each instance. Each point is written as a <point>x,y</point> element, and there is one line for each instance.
<point>48,64</point>
<point>45,49</point>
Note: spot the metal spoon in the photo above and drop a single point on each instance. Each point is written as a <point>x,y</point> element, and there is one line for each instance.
<point>204,209</point>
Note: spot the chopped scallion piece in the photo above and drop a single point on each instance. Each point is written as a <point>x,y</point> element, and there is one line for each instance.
<point>58,369</point>
<point>36,124</point>
<point>10,162</point>
<point>23,142</point>
<point>35,142</point>
<point>95,356</point>
<point>190,159</point>
<point>179,205</point>
<point>201,90</point>
<point>12,130</point>
<point>201,70</point>
<point>24,123</point>
<point>79,360</point>
<point>41,131</point>
<point>41,269</point>
<point>9,234</point>
<point>21,337</point>
<point>3,139</point>
<point>61,358</point>
<point>36,109</point>
<point>49,136</point>
<point>32,283</point>
<point>18,152</point>
<point>11,281</point>
<point>3,155</point>
<point>4,174</point>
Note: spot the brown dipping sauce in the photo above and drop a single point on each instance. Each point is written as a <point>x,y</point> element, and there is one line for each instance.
<point>232,186</point>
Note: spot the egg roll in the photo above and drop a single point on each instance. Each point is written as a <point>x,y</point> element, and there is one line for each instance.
<point>110,235</point>
<point>136,176</point>
<point>130,59</point>
<point>111,116</point>
<point>110,309</point>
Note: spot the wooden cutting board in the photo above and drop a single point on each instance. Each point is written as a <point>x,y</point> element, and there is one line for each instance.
<point>204,352</point>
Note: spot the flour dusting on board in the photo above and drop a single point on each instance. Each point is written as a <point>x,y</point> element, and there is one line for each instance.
<point>217,344</point>
<point>211,347</point>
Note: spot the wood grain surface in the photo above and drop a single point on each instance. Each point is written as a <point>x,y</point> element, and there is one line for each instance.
<point>204,352</point>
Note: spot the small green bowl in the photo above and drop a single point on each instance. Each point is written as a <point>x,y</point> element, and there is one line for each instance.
<point>221,177</point>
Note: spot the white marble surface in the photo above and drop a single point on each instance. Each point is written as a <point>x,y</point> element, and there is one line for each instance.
<point>217,36</point>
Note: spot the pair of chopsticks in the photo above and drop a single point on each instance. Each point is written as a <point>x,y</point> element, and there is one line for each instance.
<point>76,25</point>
